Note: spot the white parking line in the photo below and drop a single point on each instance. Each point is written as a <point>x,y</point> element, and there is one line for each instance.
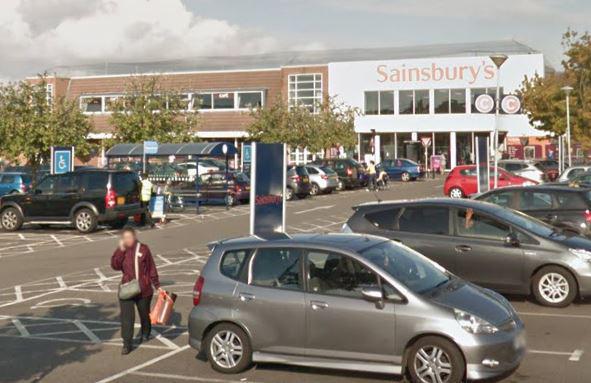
<point>100,274</point>
<point>93,338</point>
<point>19,326</point>
<point>61,283</point>
<point>165,341</point>
<point>163,259</point>
<point>18,291</point>
<point>325,207</point>
<point>574,356</point>
<point>573,316</point>
<point>59,243</point>
<point>188,378</point>
<point>143,365</point>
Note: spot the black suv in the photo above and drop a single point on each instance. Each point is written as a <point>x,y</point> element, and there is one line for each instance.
<point>351,173</point>
<point>82,198</point>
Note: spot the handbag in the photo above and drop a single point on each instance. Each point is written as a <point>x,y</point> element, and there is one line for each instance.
<point>132,288</point>
<point>162,310</point>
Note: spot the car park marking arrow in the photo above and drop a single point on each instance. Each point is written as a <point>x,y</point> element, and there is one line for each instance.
<point>314,209</point>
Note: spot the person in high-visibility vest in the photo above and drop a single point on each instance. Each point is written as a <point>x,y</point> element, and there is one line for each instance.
<point>145,196</point>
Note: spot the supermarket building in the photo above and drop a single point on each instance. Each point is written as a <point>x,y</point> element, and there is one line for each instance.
<point>403,94</point>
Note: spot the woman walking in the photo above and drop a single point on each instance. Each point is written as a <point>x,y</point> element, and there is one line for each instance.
<point>135,261</point>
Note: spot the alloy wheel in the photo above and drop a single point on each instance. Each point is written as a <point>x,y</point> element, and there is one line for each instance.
<point>226,349</point>
<point>456,193</point>
<point>433,365</point>
<point>9,220</point>
<point>314,190</point>
<point>405,177</point>
<point>554,287</point>
<point>83,221</point>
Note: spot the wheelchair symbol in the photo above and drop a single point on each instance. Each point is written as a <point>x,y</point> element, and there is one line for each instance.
<point>62,163</point>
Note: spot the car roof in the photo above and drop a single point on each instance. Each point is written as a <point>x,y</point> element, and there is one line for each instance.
<point>564,188</point>
<point>14,173</point>
<point>338,241</point>
<point>442,201</point>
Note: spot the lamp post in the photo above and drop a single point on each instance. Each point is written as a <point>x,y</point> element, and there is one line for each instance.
<point>567,90</point>
<point>498,60</point>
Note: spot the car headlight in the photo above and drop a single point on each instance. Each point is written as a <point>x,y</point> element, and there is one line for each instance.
<point>582,254</point>
<point>473,324</point>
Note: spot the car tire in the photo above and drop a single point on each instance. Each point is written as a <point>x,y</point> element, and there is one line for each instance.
<point>314,189</point>
<point>85,221</point>
<point>230,200</point>
<point>405,177</point>
<point>119,223</point>
<point>435,355</point>
<point>554,286</point>
<point>228,349</point>
<point>288,194</point>
<point>11,219</point>
<point>456,192</point>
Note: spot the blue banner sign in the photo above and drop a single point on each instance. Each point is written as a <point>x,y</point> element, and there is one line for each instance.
<point>246,154</point>
<point>62,159</point>
<point>150,147</point>
<point>267,189</point>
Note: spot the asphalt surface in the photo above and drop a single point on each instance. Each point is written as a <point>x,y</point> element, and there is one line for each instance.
<point>59,312</point>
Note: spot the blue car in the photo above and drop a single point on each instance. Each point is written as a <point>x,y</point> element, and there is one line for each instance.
<point>401,169</point>
<point>14,182</point>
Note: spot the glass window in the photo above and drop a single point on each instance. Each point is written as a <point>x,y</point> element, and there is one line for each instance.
<point>305,90</point>
<point>575,172</point>
<point>202,101</point>
<point>233,263</point>
<point>311,170</point>
<point>425,220</point>
<point>529,200</point>
<point>457,100</point>
<point>502,199</point>
<point>94,181</point>
<point>46,185</point>
<point>336,274</point>
<point>441,100</point>
<point>8,179</point>
<point>248,100</point>
<point>278,267</point>
<point>473,224</point>
<point>406,102</point>
<point>91,104</point>
<point>474,93</point>
<point>371,103</point>
<point>65,183</point>
<point>468,172</point>
<point>125,183</point>
<point>223,100</point>
<point>568,200</point>
<point>384,219</point>
<point>421,102</point>
<point>386,102</point>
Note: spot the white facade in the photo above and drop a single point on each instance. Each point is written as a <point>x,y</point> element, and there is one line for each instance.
<point>349,82</point>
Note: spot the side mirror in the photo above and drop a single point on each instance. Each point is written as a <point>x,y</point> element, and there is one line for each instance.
<point>372,294</point>
<point>511,240</point>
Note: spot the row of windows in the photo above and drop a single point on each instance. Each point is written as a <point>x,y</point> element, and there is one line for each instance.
<point>305,90</point>
<point>239,100</point>
<point>445,101</point>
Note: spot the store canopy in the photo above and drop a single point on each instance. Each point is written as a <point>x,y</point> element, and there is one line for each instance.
<point>203,149</point>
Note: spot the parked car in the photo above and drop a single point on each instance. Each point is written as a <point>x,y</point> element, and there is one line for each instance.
<point>550,169</point>
<point>322,178</point>
<point>563,207</point>
<point>14,182</point>
<point>582,180</point>
<point>82,199</point>
<point>462,182</point>
<point>351,302</point>
<point>298,182</point>
<point>493,246</point>
<point>351,173</point>
<point>569,173</point>
<point>401,169</point>
<point>215,187</point>
<point>524,169</point>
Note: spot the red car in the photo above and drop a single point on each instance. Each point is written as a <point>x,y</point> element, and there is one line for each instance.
<point>461,181</point>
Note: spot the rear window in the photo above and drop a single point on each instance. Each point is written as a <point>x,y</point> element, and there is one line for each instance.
<point>8,179</point>
<point>26,178</point>
<point>384,219</point>
<point>468,172</point>
<point>301,170</point>
<point>327,170</point>
<point>425,220</point>
<point>233,263</point>
<point>94,181</point>
<point>567,200</point>
<point>241,177</point>
<point>124,183</point>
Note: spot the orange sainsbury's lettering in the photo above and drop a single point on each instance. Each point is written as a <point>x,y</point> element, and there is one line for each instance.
<point>382,72</point>
<point>436,73</point>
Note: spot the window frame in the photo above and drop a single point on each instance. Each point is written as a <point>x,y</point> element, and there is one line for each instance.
<point>456,223</point>
<point>256,251</point>
<point>244,268</point>
<point>292,79</point>
<point>402,210</point>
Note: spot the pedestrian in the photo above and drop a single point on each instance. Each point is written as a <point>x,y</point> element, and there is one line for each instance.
<point>371,170</point>
<point>135,261</point>
<point>146,195</point>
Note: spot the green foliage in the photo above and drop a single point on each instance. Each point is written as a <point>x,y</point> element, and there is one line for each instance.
<point>30,124</point>
<point>545,103</point>
<point>147,111</point>
<point>296,126</point>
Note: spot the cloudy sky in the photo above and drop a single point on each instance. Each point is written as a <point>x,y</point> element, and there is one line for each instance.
<point>39,34</point>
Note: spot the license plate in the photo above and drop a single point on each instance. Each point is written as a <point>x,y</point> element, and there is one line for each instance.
<point>306,180</point>
<point>247,188</point>
<point>120,200</point>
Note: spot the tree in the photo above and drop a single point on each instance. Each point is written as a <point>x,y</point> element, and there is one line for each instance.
<point>30,123</point>
<point>544,101</point>
<point>298,127</point>
<point>148,111</point>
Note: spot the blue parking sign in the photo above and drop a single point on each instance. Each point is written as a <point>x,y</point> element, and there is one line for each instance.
<point>62,160</point>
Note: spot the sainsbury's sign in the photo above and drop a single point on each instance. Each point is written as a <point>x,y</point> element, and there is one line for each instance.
<point>434,72</point>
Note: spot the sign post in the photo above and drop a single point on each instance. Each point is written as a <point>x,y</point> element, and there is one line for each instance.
<point>267,189</point>
<point>62,159</point>
<point>483,164</point>
<point>246,157</point>
<point>426,141</point>
<point>150,147</point>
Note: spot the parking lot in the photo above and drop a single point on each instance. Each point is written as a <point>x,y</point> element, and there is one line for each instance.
<point>59,312</point>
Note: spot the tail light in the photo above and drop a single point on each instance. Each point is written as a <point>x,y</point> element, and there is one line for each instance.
<point>324,177</point>
<point>110,198</point>
<point>197,290</point>
<point>349,171</point>
<point>295,178</point>
<point>587,216</point>
<point>23,187</point>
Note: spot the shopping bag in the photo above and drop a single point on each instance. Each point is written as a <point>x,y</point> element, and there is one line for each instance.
<point>162,310</point>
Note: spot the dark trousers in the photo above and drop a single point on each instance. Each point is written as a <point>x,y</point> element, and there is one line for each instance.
<point>128,316</point>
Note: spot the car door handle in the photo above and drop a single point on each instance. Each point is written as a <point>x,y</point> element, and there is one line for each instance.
<point>246,297</point>
<point>463,248</point>
<point>317,305</point>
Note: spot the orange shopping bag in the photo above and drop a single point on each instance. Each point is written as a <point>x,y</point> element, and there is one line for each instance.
<point>162,310</point>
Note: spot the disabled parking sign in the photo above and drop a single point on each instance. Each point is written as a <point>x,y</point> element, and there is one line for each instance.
<point>62,159</point>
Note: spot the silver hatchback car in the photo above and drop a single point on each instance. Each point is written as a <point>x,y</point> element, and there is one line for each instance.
<point>322,178</point>
<point>353,302</point>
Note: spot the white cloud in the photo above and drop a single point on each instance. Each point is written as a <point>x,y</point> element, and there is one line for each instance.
<point>36,35</point>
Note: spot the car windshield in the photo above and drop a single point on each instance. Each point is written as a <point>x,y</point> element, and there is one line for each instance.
<point>526,222</point>
<point>327,170</point>
<point>412,269</point>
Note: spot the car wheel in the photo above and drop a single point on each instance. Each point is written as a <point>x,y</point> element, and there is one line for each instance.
<point>433,359</point>
<point>228,349</point>
<point>119,224</point>
<point>554,286</point>
<point>11,219</point>
<point>315,189</point>
<point>456,192</point>
<point>85,221</point>
<point>288,194</point>
<point>230,200</point>
<point>405,177</point>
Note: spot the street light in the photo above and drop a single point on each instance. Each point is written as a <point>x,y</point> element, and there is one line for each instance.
<point>567,90</point>
<point>498,60</point>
